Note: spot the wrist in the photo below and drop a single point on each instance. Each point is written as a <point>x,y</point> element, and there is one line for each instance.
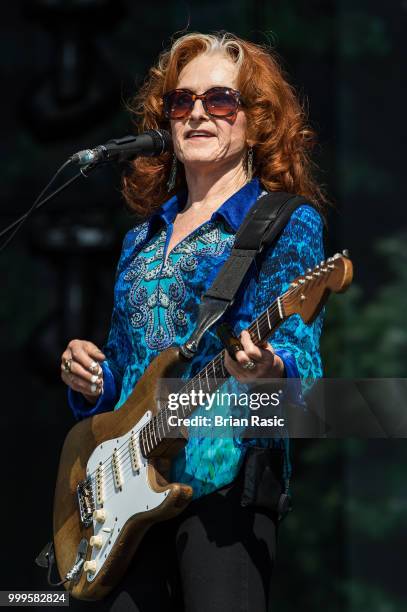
<point>91,399</point>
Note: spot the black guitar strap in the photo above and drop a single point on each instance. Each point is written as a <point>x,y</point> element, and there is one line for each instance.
<point>260,229</point>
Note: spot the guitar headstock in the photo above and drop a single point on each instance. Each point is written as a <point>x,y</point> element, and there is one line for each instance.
<point>309,292</point>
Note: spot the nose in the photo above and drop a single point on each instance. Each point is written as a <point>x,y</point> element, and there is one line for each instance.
<point>198,110</point>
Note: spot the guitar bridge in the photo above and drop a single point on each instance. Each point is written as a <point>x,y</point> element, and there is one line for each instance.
<point>86,501</point>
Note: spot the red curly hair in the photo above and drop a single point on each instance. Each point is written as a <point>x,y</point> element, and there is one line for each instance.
<point>276,122</point>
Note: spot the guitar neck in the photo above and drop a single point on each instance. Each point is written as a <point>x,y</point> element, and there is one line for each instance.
<point>208,379</point>
<point>214,373</point>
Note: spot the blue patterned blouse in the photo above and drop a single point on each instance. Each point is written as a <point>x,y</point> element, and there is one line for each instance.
<point>156,303</point>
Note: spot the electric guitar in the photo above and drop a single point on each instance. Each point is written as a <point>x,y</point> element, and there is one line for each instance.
<point>113,481</point>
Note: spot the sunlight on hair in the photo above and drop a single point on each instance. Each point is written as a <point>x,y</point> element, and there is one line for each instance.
<point>223,43</point>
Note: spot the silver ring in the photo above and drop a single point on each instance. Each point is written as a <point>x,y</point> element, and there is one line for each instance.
<point>93,388</point>
<point>94,367</point>
<point>67,363</point>
<point>250,365</point>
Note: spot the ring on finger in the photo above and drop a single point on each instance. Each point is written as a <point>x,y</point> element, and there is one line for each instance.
<point>67,363</point>
<point>250,365</point>
<point>94,367</point>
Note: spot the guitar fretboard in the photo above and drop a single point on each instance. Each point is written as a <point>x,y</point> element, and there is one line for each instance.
<point>207,380</point>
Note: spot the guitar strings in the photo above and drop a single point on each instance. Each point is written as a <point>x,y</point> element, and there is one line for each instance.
<point>126,464</point>
<point>190,385</point>
<point>125,452</point>
<point>218,360</point>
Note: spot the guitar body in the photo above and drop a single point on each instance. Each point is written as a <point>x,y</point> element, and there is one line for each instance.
<point>140,496</point>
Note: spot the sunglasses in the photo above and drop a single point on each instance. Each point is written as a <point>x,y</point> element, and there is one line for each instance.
<point>217,102</point>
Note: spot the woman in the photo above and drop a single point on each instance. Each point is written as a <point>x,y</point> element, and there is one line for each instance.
<point>238,131</point>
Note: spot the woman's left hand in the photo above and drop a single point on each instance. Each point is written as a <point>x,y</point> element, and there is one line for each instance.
<point>266,363</point>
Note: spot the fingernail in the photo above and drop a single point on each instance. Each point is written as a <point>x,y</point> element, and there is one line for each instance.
<point>93,388</point>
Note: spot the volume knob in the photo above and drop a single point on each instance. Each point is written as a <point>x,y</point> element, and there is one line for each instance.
<point>89,567</point>
<point>99,515</point>
<point>96,541</point>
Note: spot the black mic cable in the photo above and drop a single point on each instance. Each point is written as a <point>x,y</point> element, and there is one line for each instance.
<point>19,222</point>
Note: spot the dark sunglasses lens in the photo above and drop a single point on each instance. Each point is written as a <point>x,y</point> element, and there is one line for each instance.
<point>221,103</point>
<point>178,104</point>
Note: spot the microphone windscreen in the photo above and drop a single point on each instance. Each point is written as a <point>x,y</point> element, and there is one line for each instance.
<point>162,141</point>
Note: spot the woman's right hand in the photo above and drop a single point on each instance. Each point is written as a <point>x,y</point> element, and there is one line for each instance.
<point>81,370</point>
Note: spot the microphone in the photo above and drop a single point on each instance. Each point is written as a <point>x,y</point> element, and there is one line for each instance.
<point>147,144</point>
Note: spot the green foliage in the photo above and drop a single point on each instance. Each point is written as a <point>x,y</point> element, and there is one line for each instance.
<point>368,338</point>
<point>310,553</point>
<point>365,596</point>
<point>341,546</point>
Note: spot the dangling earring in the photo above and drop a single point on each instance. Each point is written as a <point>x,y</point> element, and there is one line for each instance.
<point>173,174</point>
<point>249,167</point>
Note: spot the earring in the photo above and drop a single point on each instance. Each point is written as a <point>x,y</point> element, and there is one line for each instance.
<point>249,167</point>
<point>173,174</point>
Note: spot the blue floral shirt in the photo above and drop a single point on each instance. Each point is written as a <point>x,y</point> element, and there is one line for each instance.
<point>156,302</point>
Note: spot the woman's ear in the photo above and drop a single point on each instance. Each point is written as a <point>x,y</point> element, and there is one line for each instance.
<point>250,142</point>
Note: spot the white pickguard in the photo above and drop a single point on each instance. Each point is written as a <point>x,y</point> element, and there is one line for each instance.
<point>120,504</point>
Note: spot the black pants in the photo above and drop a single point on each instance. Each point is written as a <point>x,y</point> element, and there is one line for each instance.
<point>216,556</point>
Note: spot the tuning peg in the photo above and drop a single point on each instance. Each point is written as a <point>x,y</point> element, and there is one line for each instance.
<point>301,280</point>
<point>322,263</point>
<point>309,270</point>
<point>345,253</point>
<point>308,277</point>
<point>331,266</point>
<point>324,269</point>
<point>293,284</point>
<point>317,273</point>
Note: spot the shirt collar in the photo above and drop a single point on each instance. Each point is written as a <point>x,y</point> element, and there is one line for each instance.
<point>233,210</point>
<point>238,205</point>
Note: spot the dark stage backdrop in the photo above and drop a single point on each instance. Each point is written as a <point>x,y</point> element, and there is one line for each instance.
<point>67,70</point>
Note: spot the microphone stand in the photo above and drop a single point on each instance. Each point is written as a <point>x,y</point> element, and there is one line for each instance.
<point>85,171</point>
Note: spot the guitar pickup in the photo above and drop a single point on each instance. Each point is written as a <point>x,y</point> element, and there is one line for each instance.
<point>116,468</point>
<point>134,453</point>
<point>99,485</point>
